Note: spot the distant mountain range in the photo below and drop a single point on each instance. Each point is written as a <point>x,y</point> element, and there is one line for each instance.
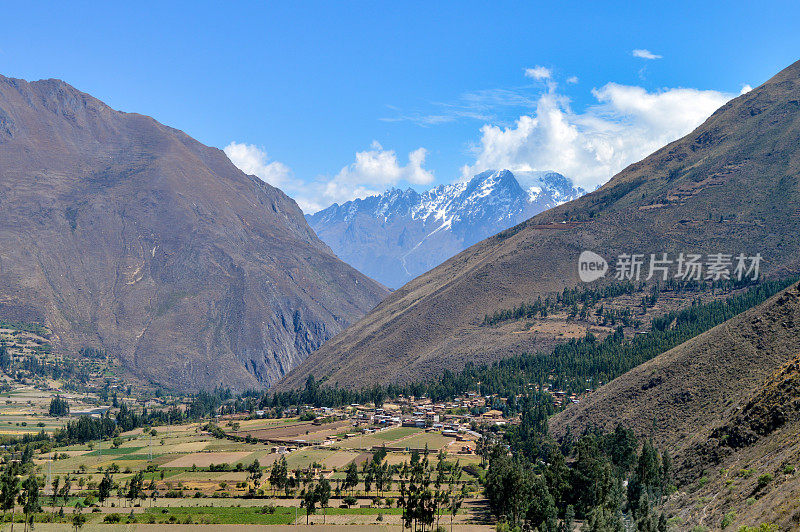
<point>400,234</point>
<point>122,234</point>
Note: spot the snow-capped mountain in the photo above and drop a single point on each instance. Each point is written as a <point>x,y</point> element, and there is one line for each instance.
<point>396,236</point>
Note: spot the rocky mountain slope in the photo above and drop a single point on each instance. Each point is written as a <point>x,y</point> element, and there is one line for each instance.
<point>731,186</point>
<point>123,234</point>
<point>727,406</point>
<point>401,234</point>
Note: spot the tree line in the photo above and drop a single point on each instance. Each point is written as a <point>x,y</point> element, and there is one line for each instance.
<point>579,301</point>
<point>573,366</point>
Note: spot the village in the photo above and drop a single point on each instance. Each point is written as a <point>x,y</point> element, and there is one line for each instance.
<point>199,465</point>
<point>455,426</point>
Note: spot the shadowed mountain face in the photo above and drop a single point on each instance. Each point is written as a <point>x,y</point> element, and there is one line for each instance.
<point>123,234</point>
<point>731,186</point>
<point>399,235</point>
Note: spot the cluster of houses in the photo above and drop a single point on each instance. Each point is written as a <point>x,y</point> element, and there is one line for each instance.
<point>456,419</point>
<point>560,397</point>
<point>450,417</point>
<point>459,419</point>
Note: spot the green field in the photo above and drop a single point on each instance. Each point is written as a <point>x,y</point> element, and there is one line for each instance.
<point>224,515</point>
<point>396,433</point>
<point>433,440</point>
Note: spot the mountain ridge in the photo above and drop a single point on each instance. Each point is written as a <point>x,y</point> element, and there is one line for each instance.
<point>397,235</point>
<point>123,234</point>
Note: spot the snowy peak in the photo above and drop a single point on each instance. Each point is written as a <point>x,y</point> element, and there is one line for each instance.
<point>397,235</point>
<point>491,181</point>
<point>550,187</point>
<point>492,188</point>
<point>393,202</point>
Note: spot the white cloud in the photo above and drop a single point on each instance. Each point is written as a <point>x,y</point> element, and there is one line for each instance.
<point>539,73</point>
<point>381,167</point>
<point>572,79</point>
<point>645,54</point>
<point>252,160</point>
<point>626,124</point>
<point>372,172</point>
<point>745,89</point>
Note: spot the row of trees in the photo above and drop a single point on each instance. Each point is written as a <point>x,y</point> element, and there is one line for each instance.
<point>315,494</point>
<point>13,491</point>
<point>427,491</point>
<point>376,472</point>
<point>85,428</point>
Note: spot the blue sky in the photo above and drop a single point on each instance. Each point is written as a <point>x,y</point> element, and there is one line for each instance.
<point>328,99</point>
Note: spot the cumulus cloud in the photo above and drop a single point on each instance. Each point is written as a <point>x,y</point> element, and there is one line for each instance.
<point>252,160</point>
<point>372,172</point>
<point>645,54</point>
<point>539,73</point>
<point>572,79</point>
<point>626,124</point>
<point>379,166</point>
<point>745,89</point>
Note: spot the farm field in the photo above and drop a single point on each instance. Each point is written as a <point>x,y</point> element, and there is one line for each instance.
<point>393,438</point>
<point>193,473</point>
<point>179,460</point>
<point>24,410</point>
<point>185,454</point>
<point>200,474</point>
<point>396,433</point>
<point>434,441</point>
